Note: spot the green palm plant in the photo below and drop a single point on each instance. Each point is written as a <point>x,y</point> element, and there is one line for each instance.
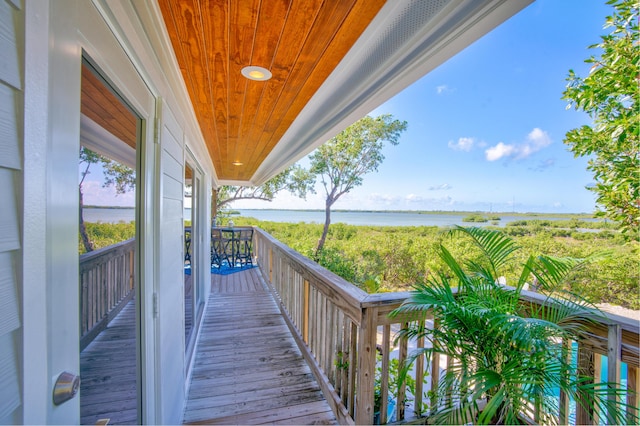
<point>505,368</point>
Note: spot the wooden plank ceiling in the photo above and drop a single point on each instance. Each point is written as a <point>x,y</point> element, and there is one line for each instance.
<point>299,41</point>
<point>101,105</point>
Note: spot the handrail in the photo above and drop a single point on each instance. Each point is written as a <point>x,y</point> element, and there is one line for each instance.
<point>106,285</point>
<point>340,329</point>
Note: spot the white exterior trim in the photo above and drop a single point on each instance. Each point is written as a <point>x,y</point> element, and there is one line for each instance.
<point>57,34</point>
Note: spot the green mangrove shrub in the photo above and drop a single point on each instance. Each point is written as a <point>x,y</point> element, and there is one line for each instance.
<point>505,366</point>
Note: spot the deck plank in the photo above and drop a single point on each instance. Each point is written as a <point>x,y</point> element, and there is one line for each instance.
<point>108,372</point>
<point>248,369</point>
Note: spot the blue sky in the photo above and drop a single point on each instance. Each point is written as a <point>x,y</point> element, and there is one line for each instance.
<point>485,129</point>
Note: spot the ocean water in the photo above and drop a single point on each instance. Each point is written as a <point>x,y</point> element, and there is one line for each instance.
<point>382,218</point>
<point>348,217</point>
<point>115,215</point>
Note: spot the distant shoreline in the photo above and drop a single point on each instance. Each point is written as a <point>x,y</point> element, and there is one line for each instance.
<point>425,212</point>
<point>439,212</point>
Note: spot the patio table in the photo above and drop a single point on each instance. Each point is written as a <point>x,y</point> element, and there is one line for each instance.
<point>232,246</point>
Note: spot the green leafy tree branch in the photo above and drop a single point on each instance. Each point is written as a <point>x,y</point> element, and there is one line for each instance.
<point>293,179</point>
<point>342,162</point>
<point>609,95</point>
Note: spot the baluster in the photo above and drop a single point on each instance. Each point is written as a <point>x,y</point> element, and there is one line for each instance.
<point>312,318</point>
<point>384,373</point>
<point>270,264</point>
<point>402,387</point>
<point>344,345</point>
<point>435,371</point>
<point>563,415</point>
<point>333,345</point>
<point>586,369</point>
<point>305,313</point>
<point>633,399</point>
<point>353,365</point>
<point>321,328</point>
<point>419,372</point>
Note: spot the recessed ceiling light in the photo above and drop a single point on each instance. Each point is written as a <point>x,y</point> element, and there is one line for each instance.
<point>256,73</point>
<point>237,163</point>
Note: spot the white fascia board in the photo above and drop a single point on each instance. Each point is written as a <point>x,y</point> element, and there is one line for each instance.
<point>98,139</point>
<point>391,54</point>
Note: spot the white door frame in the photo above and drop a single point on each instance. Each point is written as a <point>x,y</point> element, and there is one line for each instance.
<point>77,27</point>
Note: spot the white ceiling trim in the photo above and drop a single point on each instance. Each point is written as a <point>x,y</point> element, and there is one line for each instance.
<point>98,139</point>
<point>405,41</point>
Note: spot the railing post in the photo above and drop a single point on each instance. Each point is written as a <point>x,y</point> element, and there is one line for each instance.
<point>614,356</point>
<point>366,367</point>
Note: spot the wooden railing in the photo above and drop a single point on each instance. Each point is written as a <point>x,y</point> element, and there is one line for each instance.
<point>106,285</point>
<point>340,329</point>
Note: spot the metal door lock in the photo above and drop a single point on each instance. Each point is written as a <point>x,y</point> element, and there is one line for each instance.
<point>66,387</point>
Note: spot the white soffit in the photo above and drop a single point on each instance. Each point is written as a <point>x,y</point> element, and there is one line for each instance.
<point>405,41</point>
<point>98,139</point>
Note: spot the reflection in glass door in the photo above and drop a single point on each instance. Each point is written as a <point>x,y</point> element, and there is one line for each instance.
<point>193,257</point>
<point>109,308</point>
<point>190,250</point>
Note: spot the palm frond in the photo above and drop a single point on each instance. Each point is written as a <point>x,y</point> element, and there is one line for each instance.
<point>496,246</point>
<point>513,362</point>
<point>551,271</point>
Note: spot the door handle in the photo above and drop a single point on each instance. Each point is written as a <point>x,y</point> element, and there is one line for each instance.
<point>66,387</point>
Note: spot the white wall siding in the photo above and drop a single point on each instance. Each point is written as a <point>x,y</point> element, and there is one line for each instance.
<point>10,43</point>
<point>9,139</point>
<point>11,117</point>
<point>9,225</point>
<point>171,278</point>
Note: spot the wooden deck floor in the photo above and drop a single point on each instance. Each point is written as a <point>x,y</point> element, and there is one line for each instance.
<point>248,369</point>
<point>108,372</point>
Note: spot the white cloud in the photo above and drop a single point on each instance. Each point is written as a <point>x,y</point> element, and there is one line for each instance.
<point>442,89</point>
<point>463,144</point>
<point>497,152</point>
<point>413,198</point>
<point>442,187</point>
<point>536,140</point>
